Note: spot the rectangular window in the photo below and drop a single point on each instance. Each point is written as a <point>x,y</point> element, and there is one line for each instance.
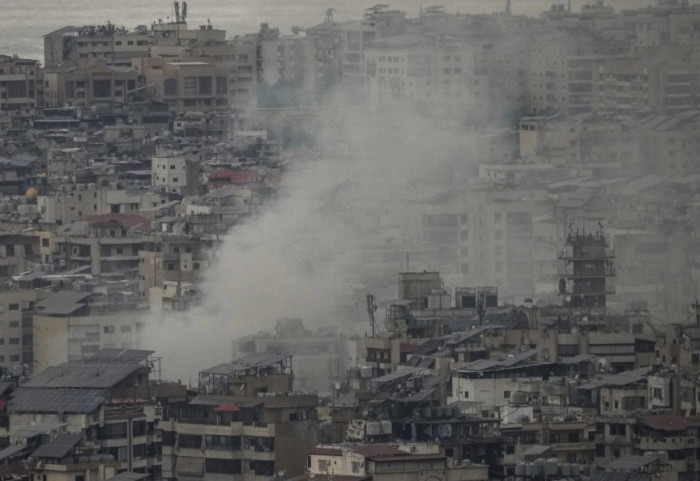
<point>204,85</point>
<point>108,329</point>
<point>13,307</point>
<point>190,85</point>
<point>221,85</point>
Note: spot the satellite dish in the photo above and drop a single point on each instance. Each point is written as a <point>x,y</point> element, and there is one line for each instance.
<point>337,386</point>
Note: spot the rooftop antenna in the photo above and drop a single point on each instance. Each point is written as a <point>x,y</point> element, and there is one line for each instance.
<point>177,11</point>
<point>184,12</point>
<point>329,15</point>
<point>371,309</point>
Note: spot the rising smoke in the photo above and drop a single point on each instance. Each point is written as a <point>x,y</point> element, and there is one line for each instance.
<point>301,256</point>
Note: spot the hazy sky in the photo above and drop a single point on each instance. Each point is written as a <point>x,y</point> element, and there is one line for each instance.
<point>23,22</point>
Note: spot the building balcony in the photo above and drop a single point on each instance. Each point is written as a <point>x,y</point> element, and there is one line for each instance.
<point>576,447</point>
<point>589,291</point>
<point>608,271</point>
<point>229,453</point>
<point>584,256</point>
<point>123,412</point>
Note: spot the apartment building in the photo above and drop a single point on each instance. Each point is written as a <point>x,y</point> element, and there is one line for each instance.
<point>175,173</point>
<point>90,83</point>
<point>69,326</point>
<point>115,45</point>
<point>564,70</point>
<point>239,56</point>
<point>104,398</point>
<point>20,84</point>
<point>386,462</point>
<point>74,202</point>
<point>245,421</point>
<point>106,244</point>
<point>487,234</point>
<point>18,251</point>
<point>169,271</point>
<point>191,85</point>
<point>16,315</point>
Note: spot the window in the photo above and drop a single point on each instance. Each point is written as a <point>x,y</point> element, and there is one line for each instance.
<point>44,242</point>
<point>102,88</point>
<point>190,85</point>
<point>14,323</point>
<point>13,307</point>
<point>108,329</point>
<point>125,329</point>
<point>14,340</point>
<point>170,87</point>
<point>506,394</point>
<point>466,394</point>
<point>221,85</point>
<point>204,85</point>
<point>222,466</point>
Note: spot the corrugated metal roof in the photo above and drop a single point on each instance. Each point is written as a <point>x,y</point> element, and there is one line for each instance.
<point>264,359</point>
<point>46,400</point>
<point>631,463</point>
<point>671,422</point>
<point>618,476</point>
<point>59,447</point>
<point>576,359</point>
<point>63,303</point>
<point>127,476</point>
<point>12,451</point>
<point>82,375</point>
<point>537,450</point>
<point>121,355</point>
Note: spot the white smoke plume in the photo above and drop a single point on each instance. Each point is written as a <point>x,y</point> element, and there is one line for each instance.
<point>300,257</point>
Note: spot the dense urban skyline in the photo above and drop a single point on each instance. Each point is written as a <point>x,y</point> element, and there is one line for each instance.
<point>395,244</point>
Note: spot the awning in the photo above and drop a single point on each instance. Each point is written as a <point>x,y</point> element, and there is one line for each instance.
<point>228,407</point>
<point>190,466</point>
<point>12,450</point>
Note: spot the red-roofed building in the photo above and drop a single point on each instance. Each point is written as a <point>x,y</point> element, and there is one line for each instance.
<point>227,407</point>
<point>235,177</point>
<point>671,422</point>
<point>107,224</point>
<point>675,435</point>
